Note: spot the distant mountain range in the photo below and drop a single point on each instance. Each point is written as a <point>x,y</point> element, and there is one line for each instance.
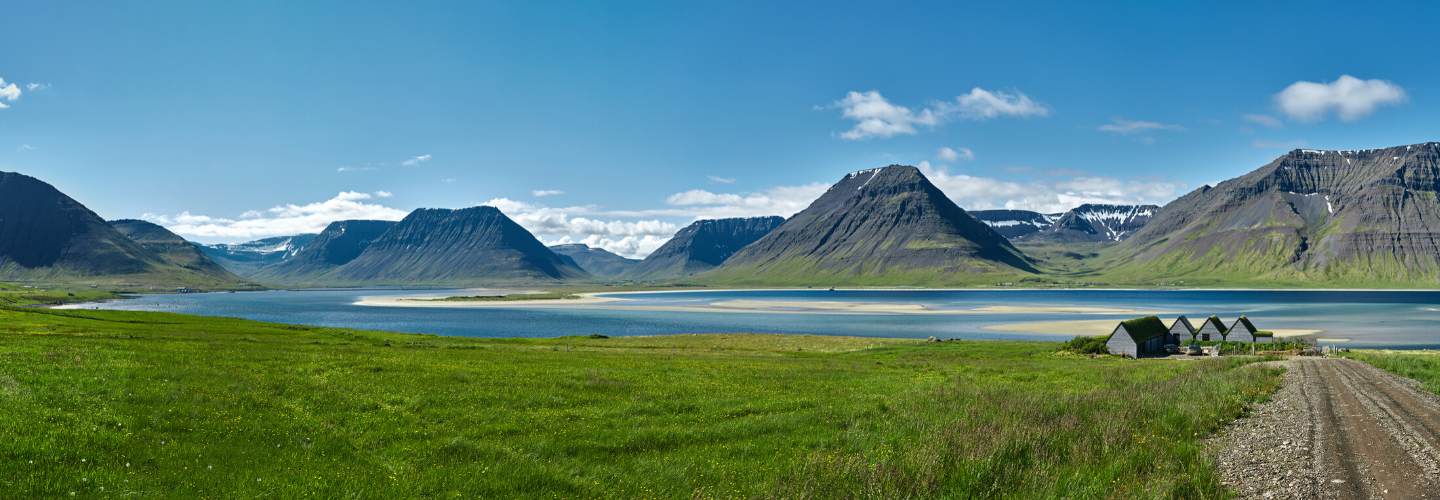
<point>1357,217</point>
<point>48,236</point>
<point>596,261</point>
<point>882,226</point>
<point>341,242</point>
<point>701,246</point>
<point>1087,222</point>
<point>245,259</point>
<point>1335,218</point>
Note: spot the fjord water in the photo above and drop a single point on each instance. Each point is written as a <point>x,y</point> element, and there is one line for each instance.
<point>1373,319</point>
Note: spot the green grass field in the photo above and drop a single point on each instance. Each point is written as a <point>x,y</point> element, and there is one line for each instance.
<point>1423,366</point>
<point>109,404</point>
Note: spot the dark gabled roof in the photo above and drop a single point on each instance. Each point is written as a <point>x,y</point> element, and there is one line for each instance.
<point>1186,321</point>
<point>1214,320</point>
<point>1143,329</point>
<point>1244,321</point>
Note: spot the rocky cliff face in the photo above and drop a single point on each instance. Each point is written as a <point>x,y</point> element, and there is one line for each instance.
<point>476,245</point>
<point>46,235</point>
<point>1015,224</point>
<point>341,242</point>
<point>171,248</point>
<point>1098,223</point>
<point>245,259</point>
<point>1084,223</point>
<point>596,261</point>
<point>1356,216</point>
<point>886,225</point>
<point>702,246</point>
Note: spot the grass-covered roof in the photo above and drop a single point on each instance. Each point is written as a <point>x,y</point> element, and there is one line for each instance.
<point>1146,328</point>
<point>1215,321</point>
<point>1244,321</point>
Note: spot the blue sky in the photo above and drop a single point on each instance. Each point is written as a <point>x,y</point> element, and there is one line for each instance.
<point>234,122</point>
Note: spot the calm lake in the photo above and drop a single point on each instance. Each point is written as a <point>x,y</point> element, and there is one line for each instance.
<point>1372,319</point>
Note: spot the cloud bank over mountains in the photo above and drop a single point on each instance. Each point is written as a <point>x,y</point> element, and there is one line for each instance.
<point>877,117</point>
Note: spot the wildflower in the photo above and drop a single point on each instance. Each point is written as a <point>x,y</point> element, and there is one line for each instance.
<point>127,464</point>
<point>257,479</point>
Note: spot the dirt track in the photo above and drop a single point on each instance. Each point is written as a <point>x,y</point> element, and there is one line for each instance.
<point>1339,429</point>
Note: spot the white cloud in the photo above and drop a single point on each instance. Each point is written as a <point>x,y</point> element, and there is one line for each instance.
<point>416,160</point>
<point>384,194</point>
<point>545,192</point>
<point>1050,195</point>
<point>448,181</point>
<point>629,247</point>
<point>540,219</point>
<point>1266,120</point>
<point>981,104</point>
<point>781,200</point>
<point>352,196</point>
<point>8,92</point>
<point>1351,98</point>
<point>353,169</point>
<point>281,220</point>
<point>1258,143</point>
<point>948,154</point>
<point>1127,127</point>
<point>721,180</point>
<point>876,116</point>
<point>25,147</point>
<point>36,86</point>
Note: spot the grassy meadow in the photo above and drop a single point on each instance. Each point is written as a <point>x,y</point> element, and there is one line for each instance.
<point>1423,366</point>
<point>112,404</point>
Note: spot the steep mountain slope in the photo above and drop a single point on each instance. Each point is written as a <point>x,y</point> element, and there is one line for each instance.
<point>337,245</point>
<point>1362,217</point>
<point>471,246</point>
<point>1098,223</point>
<point>46,235</point>
<point>596,261</point>
<point>882,226</point>
<point>245,259</point>
<point>1015,224</point>
<point>172,248</point>
<point>702,246</point>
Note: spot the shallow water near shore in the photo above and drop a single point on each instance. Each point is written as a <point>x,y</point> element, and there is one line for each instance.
<point>1378,319</point>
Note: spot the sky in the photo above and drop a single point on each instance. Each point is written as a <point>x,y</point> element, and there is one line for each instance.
<point>618,123</point>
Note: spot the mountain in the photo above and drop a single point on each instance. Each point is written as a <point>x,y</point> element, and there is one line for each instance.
<point>596,261</point>
<point>1097,223</point>
<point>1084,223</point>
<point>48,236</point>
<point>1015,224</point>
<point>1355,217</point>
<point>702,246</point>
<point>341,242</point>
<point>431,246</point>
<point>882,226</point>
<point>172,248</point>
<point>245,259</point>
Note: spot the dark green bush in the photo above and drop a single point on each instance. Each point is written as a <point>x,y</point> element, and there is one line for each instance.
<point>1086,345</point>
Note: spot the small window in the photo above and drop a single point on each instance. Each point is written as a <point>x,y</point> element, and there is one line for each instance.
<point>1205,337</point>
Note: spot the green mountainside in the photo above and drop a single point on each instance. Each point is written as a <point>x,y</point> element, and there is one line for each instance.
<point>886,226</point>
<point>46,236</point>
<point>172,248</point>
<point>338,244</point>
<point>701,246</point>
<point>431,246</point>
<point>596,261</point>
<point>1329,218</point>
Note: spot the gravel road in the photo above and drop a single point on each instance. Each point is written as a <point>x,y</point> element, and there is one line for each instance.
<point>1337,429</point>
